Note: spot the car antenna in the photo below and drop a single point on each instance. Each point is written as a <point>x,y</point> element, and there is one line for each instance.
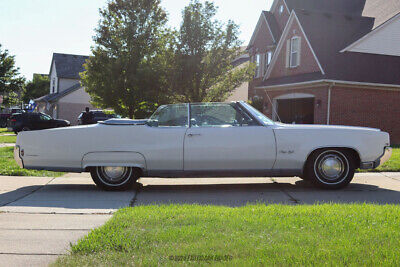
<point>273,109</point>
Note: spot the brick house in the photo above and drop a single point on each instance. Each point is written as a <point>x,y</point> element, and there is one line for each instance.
<point>67,98</point>
<point>329,62</point>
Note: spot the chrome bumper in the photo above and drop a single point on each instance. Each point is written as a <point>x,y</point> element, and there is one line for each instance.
<point>17,156</point>
<point>386,156</point>
<point>387,153</point>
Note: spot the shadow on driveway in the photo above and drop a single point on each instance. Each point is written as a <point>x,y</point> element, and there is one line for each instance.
<point>80,195</point>
<point>64,198</point>
<point>296,192</point>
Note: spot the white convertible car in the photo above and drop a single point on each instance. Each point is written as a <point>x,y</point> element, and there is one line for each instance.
<point>204,140</point>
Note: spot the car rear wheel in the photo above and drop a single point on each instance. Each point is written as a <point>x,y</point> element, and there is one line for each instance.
<point>330,168</point>
<point>114,178</point>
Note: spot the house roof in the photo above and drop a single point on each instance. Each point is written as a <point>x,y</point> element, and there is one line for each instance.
<point>67,65</point>
<point>57,96</point>
<point>349,7</point>
<point>273,25</point>
<point>328,35</point>
<point>381,10</point>
<point>373,34</point>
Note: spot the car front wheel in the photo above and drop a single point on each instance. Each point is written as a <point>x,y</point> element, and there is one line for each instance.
<point>114,178</point>
<point>330,168</point>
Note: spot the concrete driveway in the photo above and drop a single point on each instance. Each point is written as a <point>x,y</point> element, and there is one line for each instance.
<point>39,216</point>
<point>380,188</point>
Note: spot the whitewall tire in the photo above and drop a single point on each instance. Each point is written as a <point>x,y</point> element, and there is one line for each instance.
<point>114,178</point>
<point>330,168</point>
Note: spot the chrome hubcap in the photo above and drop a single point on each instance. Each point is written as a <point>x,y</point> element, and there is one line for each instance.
<point>331,166</point>
<point>114,173</point>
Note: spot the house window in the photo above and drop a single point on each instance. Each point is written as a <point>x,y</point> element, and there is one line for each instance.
<point>267,60</point>
<point>53,86</point>
<point>295,52</point>
<point>280,9</point>
<point>258,65</point>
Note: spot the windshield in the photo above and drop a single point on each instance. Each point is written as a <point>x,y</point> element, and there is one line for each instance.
<point>265,120</point>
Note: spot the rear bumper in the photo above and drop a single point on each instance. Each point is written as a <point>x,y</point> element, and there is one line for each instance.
<point>387,153</point>
<point>17,156</point>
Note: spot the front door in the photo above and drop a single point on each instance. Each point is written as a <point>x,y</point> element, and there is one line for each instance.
<point>223,138</point>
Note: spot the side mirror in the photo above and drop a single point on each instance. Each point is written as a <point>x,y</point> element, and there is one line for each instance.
<point>152,123</point>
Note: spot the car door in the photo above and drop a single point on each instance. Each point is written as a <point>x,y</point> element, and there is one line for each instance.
<point>163,140</point>
<point>222,137</point>
<point>45,122</point>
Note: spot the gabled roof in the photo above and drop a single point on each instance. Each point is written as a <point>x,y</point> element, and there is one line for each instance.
<point>67,65</point>
<point>328,35</point>
<point>57,96</point>
<point>292,19</point>
<point>271,24</point>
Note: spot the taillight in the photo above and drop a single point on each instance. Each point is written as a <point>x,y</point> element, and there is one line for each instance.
<point>13,120</point>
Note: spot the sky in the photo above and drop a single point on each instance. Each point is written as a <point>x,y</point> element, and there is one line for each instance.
<point>33,29</point>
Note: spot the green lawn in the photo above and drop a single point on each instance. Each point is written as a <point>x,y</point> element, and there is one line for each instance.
<point>393,165</point>
<point>329,235</point>
<point>8,139</point>
<point>8,166</point>
<point>4,130</point>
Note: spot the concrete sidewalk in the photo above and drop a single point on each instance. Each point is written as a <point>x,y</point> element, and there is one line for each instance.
<point>41,216</point>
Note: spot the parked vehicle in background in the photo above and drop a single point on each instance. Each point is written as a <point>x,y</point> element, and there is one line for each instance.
<point>6,113</point>
<point>97,115</point>
<point>33,121</point>
<point>205,140</point>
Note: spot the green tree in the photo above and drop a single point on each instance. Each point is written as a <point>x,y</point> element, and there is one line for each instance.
<point>205,48</point>
<point>39,86</point>
<point>10,79</point>
<point>126,71</point>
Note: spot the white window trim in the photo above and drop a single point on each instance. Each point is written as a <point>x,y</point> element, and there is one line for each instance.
<point>281,9</point>
<point>258,61</point>
<point>267,58</point>
<point>292,52</point>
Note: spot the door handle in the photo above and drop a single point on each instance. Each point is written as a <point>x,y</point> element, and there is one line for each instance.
<point>191,135</point>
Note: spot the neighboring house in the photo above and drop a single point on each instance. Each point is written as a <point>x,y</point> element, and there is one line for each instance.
<point>241,93</point>
<point>329,62</point>
<point>67,98</point>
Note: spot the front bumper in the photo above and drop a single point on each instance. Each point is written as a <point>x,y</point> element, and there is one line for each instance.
<point>387,153</point>
<point>17,156</point>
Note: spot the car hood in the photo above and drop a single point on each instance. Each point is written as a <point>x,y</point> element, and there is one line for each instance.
<point>324,127</point>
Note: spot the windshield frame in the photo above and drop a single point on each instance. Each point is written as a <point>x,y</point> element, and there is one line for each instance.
<point>259,116</point>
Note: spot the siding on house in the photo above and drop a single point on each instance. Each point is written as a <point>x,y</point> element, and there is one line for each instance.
<point>53,79</point>
<point>65,83</point>
<point>384,40</point>
<point>78,97</point>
